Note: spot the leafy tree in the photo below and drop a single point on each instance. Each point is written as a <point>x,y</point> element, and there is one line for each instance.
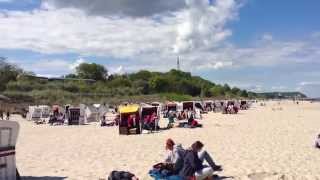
<point>235,91</point>
<point>8,72</point>
<point>71,76</point>
<point>217,91</point>
<point>92,71</point>
<point>159,84</point>
<point>173,85</point>
<point>226,87</point>
<point>142,86</point>
<point>141,75</point>
<point>244,94</point>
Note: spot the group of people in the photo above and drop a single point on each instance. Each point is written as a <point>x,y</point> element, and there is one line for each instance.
<point>150,122</point>
<point>187,114</point>
<point>230,109</point>
<point>188,164</point>
<point>2,115</point>
<point>58,117</point>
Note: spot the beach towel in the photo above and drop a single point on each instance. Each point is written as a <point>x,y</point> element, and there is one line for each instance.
<point>158,174</point>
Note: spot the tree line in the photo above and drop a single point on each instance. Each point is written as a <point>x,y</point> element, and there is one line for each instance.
<point>91,82</point>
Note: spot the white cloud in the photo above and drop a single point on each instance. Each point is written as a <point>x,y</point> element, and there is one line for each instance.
<point>146,40</point>
<point>116,70</point>
<point>198,33</point>
<point>73,66</point>
<point>70,30</point>
<point>214,65</point>
<point>49,68</point>
<point>203,25</point>
<point>306,83</point>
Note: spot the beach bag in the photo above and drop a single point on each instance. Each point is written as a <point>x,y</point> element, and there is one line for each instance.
<point>120,175</point>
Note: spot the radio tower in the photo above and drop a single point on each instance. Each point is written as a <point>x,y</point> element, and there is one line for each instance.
<point>178,64</point>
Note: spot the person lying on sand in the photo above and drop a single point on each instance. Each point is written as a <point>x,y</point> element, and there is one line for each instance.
<point>193,163</point>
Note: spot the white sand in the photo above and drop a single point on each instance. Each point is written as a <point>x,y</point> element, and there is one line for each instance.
<point>256,144</point>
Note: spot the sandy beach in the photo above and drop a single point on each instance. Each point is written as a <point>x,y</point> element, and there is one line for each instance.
<point>259,143</point>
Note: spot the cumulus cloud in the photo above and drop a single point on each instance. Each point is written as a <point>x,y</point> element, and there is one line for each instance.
<point>214,65</point>
<point>204,23</point>
<point>116,70</point>
<point>71,31</point>
<point>197,32</point>
<point>307,83</point>
<point>136,8</point>
<point>73,66</point>
<point>143,39</point>
<point>49,67</point>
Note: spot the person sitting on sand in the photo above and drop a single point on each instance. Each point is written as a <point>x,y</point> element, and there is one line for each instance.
<point>318,142</point>
<point>190,114</point>
<point>193,163</point>
<point>174,156</point>
<point>192,122</point>
<point>147,122</point>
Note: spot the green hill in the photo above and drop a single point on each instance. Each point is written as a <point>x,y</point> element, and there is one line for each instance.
<point>92,84</point>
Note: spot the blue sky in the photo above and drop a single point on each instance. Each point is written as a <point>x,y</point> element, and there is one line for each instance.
<point>253,44</point>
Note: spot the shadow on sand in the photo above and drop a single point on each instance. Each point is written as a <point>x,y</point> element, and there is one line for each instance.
<point>216,177</point>
<point>42,178</point>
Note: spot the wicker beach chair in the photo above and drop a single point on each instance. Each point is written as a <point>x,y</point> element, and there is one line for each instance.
<point>8,138</point>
